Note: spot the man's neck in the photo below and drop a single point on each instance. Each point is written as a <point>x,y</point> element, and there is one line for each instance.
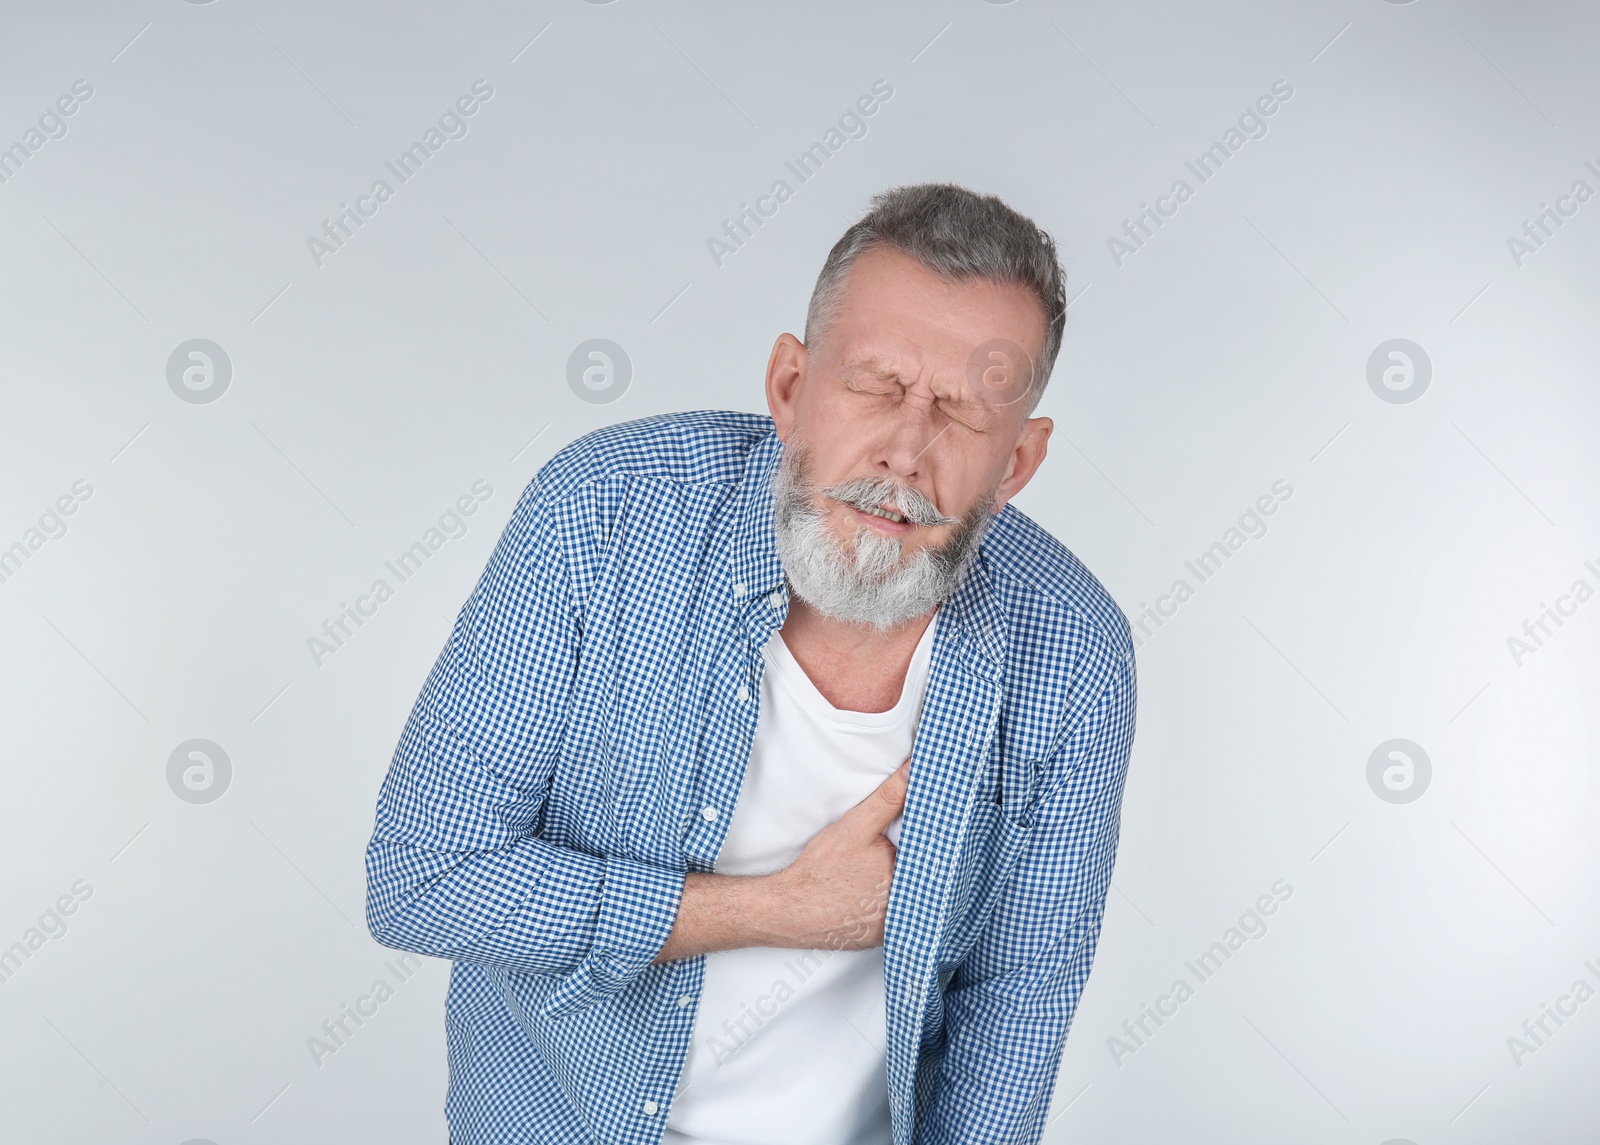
<point>856,668</point>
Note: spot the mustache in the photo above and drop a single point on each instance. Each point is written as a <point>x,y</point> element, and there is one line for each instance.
<point>874,492</point>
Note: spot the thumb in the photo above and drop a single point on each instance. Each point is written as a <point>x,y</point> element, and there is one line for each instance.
<point>884,805</point>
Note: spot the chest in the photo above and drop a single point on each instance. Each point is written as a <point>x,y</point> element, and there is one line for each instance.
<point>809,764</point>
<point>666,699</point>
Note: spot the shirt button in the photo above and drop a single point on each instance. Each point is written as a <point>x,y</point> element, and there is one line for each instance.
<point>708,813</point>
<point>775,599</point>
<point>650,1108</point>
<point>743,693</point>
<point>740,589</point>
<point>684,1000</point>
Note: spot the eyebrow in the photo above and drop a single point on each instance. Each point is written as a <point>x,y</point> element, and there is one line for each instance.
<point>879,367</point>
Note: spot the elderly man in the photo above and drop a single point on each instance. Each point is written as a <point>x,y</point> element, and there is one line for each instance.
<point>767,790</point>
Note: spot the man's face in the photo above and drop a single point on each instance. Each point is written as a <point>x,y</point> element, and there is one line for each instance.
<point>914,405</point>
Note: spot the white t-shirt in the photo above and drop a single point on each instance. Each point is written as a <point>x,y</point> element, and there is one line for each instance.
<point>789,1045</point>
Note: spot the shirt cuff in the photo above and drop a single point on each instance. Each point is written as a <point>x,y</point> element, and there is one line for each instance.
<point>638,906</point>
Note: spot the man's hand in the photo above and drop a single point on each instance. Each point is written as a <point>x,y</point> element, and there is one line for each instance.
<point>835,895</point>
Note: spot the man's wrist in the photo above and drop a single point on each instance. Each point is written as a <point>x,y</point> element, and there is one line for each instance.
<point>728,912</point>
<point>767,907</point>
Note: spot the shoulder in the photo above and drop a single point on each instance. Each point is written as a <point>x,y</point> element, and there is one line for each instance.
<point>681,467</point>
<point>1058,610</point>
<point>1069,648</point>
<point>694,447</point>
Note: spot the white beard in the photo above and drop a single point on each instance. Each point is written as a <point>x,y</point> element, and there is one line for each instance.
<point>870,586</point>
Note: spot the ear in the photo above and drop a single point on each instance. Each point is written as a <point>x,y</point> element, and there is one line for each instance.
<point>1025,459</point>
<point>786,372</point>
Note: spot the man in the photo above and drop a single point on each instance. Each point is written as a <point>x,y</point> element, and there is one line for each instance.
<point>655,798</point>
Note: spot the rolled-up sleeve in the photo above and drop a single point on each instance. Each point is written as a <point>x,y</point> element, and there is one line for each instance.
<point>1010,1003</point>
<point>456,867</point>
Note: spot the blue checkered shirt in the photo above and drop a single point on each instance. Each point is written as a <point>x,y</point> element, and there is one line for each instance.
<point>600,688</point>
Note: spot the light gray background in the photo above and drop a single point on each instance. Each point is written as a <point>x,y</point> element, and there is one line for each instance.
<point>1230,352</point>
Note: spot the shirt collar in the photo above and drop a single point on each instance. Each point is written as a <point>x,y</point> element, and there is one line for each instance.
<point>756,572</point>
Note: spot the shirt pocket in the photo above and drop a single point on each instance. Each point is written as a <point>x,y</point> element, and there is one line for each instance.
<point>989,853</point>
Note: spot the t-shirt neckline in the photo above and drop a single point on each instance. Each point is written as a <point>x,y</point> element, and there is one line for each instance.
<point>792,677</point>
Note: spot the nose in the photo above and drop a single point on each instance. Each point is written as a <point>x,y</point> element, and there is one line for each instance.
<point>908,436</point>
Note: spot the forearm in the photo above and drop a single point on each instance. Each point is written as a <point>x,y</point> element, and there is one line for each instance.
<point>532,907</point>
<point>725,912</point>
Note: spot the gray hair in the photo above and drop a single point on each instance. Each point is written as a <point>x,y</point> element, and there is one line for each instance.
<point>959,235</point>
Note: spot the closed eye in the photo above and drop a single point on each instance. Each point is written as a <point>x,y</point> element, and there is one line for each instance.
<point>873,383</point>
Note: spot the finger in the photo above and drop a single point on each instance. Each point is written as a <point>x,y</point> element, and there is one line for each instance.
<point>884,805</point>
